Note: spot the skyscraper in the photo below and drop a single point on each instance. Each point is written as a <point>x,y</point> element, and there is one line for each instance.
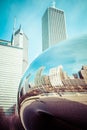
<point>53,27</point>
<point>13,63</point>
<point>19,39</point>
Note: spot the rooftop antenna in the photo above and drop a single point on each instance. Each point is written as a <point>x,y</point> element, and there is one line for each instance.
<point>53,4</point>
<point>14,26</point>
<point>21,31</point>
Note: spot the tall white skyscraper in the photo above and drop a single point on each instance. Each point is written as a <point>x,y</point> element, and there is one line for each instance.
<point>19,39</point>
<point>53,27</point>
<point>13,63</point>
<point>10,75</point>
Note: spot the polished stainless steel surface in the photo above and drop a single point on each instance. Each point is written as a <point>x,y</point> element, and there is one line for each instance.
<point>59,72</point>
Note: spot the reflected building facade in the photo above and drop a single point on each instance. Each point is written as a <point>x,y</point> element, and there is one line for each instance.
<point>53,27</point>
<point>57,75</point>
<point>58,80</point>
<point>83,73</point>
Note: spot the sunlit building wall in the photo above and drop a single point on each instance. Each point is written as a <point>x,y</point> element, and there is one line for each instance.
<point>10,74</point>
<point>13,63</point>
<point>53,27</point>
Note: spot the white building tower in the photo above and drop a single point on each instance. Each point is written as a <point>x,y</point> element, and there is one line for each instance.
<point>53,27</point>
<point>13,63</point>
<point>19,39</point>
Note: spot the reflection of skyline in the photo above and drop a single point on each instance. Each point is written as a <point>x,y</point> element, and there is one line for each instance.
<point>56,84</point>
<point>57,77</point>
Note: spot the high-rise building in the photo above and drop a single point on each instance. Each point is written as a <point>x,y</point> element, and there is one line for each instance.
<point>19,39</point>
<point>13,63</point>
<point>10,75</point>
<point>53,27</point>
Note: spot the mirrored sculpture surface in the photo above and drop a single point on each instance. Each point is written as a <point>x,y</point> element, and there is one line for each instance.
<point>42,95</point>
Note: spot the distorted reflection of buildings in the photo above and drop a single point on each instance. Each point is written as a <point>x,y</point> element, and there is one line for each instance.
<point>56,75</point>
<point>83,73</point>
<point>60,79</point>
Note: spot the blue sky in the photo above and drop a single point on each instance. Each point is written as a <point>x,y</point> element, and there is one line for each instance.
<point>29,14</point>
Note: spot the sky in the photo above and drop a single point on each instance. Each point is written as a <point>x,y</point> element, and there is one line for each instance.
<point>29,14</point>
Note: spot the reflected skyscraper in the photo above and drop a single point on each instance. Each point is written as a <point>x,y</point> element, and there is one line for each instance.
<point>53,27</point>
